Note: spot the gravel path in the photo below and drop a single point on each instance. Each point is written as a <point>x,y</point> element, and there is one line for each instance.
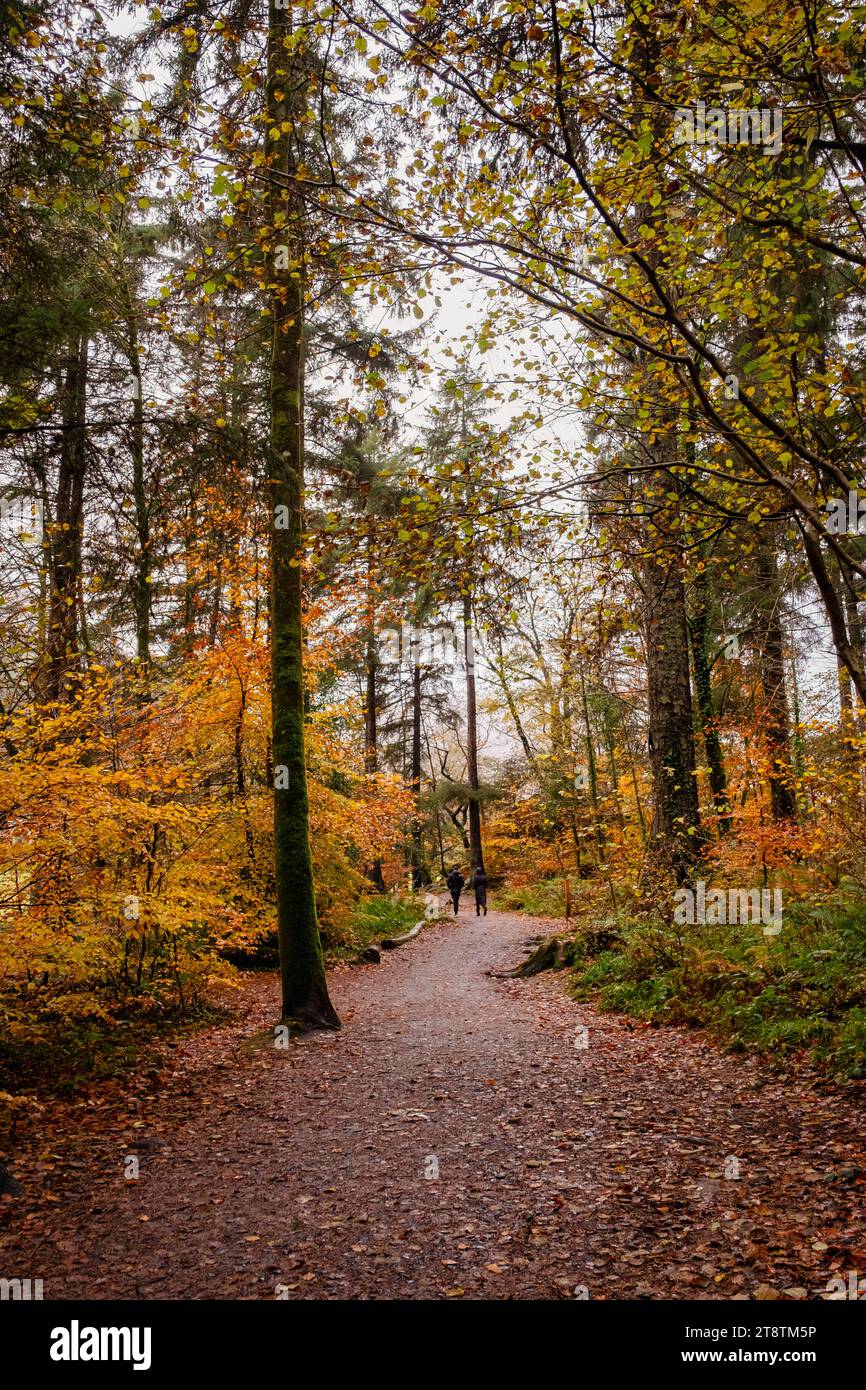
<point>463,1136</point>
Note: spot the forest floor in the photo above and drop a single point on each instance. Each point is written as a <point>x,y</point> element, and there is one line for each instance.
<point>462,1136</point>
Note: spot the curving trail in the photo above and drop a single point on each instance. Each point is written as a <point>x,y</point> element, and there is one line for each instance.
<point>312,1172</point>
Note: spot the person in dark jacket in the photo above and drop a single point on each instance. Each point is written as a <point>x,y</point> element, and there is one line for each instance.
<point>478,882</point>
<point>455,883</point>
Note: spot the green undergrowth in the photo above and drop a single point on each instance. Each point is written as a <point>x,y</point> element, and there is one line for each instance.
<point>801,993</point>
<point>372,917</point>
<point>382,915</point>
<point>543,899</point>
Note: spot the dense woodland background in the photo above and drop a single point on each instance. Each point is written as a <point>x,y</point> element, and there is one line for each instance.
<point>411,449</point>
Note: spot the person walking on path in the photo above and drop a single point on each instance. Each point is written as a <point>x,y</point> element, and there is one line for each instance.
<point>455,883</point>
<point>478,882</point>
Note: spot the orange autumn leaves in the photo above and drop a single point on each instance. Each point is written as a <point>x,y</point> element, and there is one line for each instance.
<point>135,845</point>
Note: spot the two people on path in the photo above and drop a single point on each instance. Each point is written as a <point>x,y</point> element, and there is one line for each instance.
<point>478,883</point>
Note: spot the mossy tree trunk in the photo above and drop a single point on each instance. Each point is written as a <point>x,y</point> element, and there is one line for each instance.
<point>476,851</point>
<point>418,875</point>
<point>371,733</point>
<point>305,1000</point>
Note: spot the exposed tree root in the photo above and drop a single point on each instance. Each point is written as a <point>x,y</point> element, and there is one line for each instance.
<point>392,942</point>
<point>550,955</point>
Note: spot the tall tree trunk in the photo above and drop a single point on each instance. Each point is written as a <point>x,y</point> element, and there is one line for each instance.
<point>440,843</point>
<point>305,1000</point>
<point>67,528</point>
<point>142,523</point>
<point>853,622</point>
<point>415,769</point>
<point>609,736</point>
<point>699,632</point>
<point>843,679</point>
<point>858,713</point>
<point>371,731</point>
<point>592,772</point>
<point>775,720</point>
<point>141,586</point>
<point>371,736</point>
<point>846,703</point>
<point>799,751</point>
<point>676,826</point>
<point>475,846</point>
<point>675,832</point>
<point>847,652</point>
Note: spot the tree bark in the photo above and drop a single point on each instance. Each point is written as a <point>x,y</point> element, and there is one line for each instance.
<point>675,830</point>
<point>371,729</point>
<point>415,769</point>
<point>141,585</point>
<point>67,528</point>
<point>699,633</point>
<point>592,772</point>
<point>854,625</point>
<point>305,1000</point>
<point>371,735</point>
<point>475,846</point>
<point>845,649</point>
<point>775,721</point>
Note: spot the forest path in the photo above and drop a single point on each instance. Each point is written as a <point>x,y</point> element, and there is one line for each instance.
<point>310,1172</point>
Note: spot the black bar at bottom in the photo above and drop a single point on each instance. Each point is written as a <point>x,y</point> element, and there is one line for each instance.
<point>223,1340</point>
